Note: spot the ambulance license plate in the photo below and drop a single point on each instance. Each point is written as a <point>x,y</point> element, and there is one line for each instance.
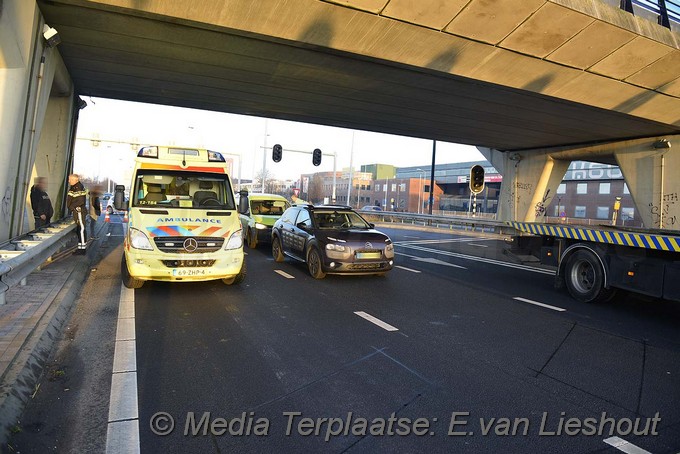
<point>182,272</point>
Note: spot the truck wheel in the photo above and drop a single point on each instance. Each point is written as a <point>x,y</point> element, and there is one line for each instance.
<point>251,239</point>
<point>314,264</point>
<point>584,278</point>
<point>129,281</point>
<point>277,252</point>
<point>240,277</point>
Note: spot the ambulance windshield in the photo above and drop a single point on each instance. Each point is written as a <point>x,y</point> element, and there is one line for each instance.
<point>178,189</point>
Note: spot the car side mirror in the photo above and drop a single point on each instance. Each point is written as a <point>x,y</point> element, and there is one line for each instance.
<point>371,225</point>
<point>302,226</point>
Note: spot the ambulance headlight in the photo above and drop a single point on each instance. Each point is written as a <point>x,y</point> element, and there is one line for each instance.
<point>235,241</point>
<point>139,240</point>
<point>259,226</point>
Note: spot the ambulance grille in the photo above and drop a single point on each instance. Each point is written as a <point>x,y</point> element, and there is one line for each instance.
<point>175,244</point>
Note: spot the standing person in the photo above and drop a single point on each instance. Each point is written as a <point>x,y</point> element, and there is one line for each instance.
<point>95,209</point>
<point>41,203</point>
<point>75,201</point>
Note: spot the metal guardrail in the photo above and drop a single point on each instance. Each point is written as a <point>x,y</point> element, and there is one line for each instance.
<point>667,11</point>
<point>20,256</point>
<point>453,222</point>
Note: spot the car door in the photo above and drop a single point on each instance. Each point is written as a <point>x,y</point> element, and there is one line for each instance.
<point>301,231</point>
<point>287,232</point>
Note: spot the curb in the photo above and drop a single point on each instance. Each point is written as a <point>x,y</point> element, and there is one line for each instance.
<point>25,371</point>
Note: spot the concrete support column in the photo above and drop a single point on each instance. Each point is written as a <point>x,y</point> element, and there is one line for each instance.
<point>30,74</point>
<point>650,168</point>
<point>530,180</point>
<point>652,178</point>
<point>51,159</point>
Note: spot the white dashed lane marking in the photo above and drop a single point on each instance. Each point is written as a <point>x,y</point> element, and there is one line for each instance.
<point>536,303</point>
<point>407,269</point>
<point>284,274</point>
<point>624,446</point>
<point>376,321</point>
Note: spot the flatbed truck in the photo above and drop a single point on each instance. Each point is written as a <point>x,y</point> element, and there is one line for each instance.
<point>593,262</point>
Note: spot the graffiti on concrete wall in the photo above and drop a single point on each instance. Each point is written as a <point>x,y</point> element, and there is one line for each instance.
<point>540,206</point>
<point>6,204</point>
<point>665,210</point>
<point>516,192</point>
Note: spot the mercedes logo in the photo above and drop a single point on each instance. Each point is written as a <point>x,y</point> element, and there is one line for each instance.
<point>190,245</point>
<point>368,245</point>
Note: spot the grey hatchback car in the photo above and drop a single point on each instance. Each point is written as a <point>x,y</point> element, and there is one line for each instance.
<point>331,239</point>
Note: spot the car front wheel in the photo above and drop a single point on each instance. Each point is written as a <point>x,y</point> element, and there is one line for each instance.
<point>277,252</point>
<point>314,264</point>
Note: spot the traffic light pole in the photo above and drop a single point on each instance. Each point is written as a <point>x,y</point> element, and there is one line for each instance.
<point>434,155</point>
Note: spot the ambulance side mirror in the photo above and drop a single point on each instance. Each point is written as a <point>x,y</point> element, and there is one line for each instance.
<point>119,198</point>
<point>243,203</point>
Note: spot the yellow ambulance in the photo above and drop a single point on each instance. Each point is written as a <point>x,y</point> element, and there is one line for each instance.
<point>183,224</point>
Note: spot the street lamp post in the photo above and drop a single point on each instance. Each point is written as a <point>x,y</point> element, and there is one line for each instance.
<point>420,189</point>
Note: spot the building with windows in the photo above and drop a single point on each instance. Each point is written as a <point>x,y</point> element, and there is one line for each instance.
<point>380,171</point>
<point>588,190</point>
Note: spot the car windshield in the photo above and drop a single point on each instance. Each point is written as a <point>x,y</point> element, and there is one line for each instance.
<point>268,207</point>
<point>189,190</point>
<point>339,220</point>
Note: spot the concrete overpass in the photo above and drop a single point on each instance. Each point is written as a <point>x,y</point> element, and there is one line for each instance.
<point>509,76</point>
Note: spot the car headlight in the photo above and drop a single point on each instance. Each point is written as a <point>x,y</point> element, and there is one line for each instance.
<point>335,247</point>
<point>139,240</point>
<point>235,241</point>
<point>259,226</point>
<point>389,250</point>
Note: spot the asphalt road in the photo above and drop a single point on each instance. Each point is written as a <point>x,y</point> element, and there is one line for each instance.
<point>455,328</point>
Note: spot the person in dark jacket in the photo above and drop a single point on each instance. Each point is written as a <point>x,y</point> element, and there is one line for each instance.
<point>75,201</point>
<point>95,209</point>
<point>41,203</point>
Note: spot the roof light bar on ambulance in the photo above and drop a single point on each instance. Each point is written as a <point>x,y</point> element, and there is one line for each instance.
<point>148,152</point>
<point>214,156</point>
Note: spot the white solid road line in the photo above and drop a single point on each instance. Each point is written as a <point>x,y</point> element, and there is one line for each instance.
<point>407,269</point>
<point>430,260</point>
<point>624,446</point>
<point>444,241</point>
<point>477,259</point>
<point>477,245</point>
<point>284,274</point>
<point>122,435</point>
<point>376,321</point>
<point>536,303</point>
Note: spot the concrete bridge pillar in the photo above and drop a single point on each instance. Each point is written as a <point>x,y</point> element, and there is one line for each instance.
<point>32,79</point>
<point>652,173</point>
<point>650,167</point>
<point>530,180</point>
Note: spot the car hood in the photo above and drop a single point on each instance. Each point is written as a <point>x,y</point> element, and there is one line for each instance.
<point>355,236</point>
<point>266,219</point>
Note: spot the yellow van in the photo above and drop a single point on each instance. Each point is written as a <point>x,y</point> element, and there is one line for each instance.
<point>183,224</point>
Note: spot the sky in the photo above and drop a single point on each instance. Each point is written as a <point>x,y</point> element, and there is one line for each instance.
<point>111,121</point>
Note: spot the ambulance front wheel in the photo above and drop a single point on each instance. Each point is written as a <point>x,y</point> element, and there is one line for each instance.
<point>240,277</point>
<point>129,281</point>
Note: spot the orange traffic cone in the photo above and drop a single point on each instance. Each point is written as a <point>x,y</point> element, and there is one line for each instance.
<point>107,218</point>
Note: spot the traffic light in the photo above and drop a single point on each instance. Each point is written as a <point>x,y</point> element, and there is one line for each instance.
<point>277,153</point>
<point>476,179</point>
<point>316,157</point>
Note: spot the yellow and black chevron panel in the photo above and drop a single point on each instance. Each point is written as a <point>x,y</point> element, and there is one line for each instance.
<point>641,240</point>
